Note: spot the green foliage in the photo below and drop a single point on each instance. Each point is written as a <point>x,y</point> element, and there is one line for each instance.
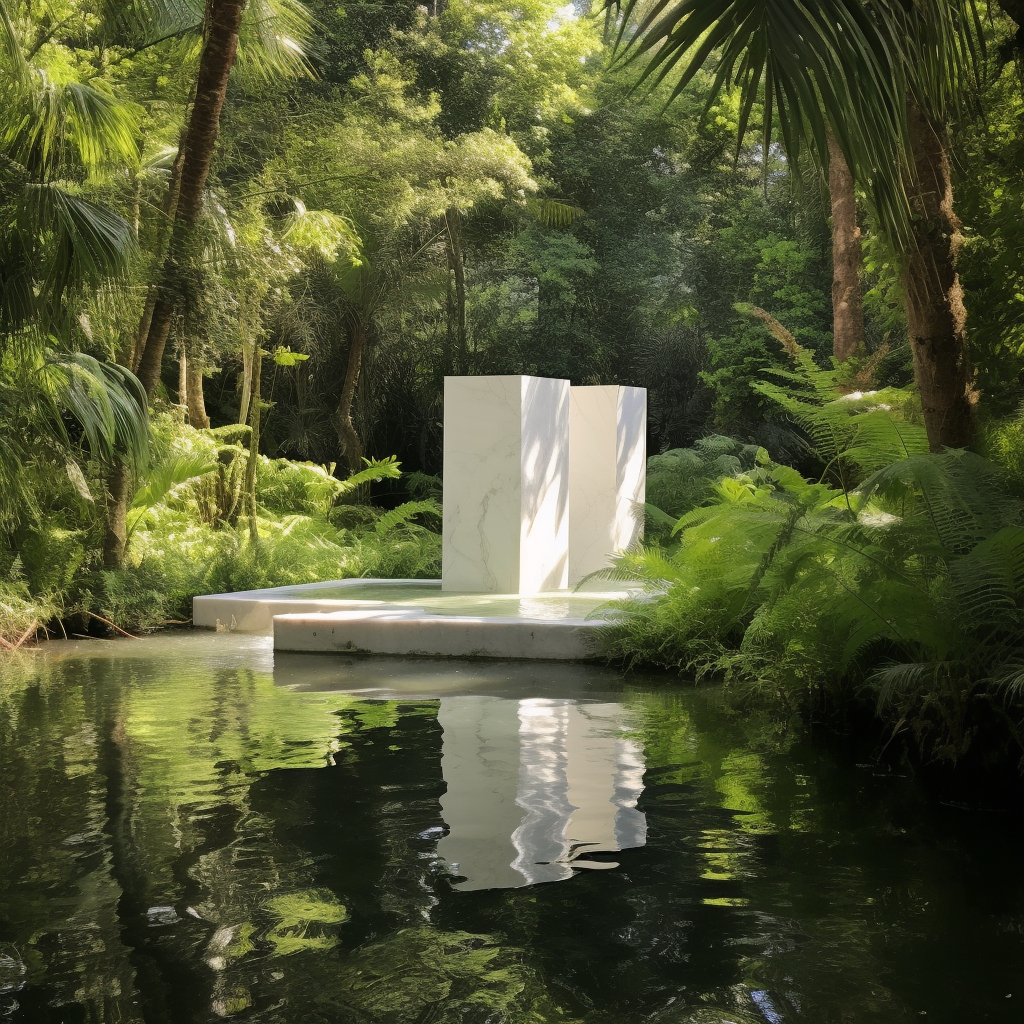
<point>680,480</point>
<point>907,580</point>
<point>452,976</point>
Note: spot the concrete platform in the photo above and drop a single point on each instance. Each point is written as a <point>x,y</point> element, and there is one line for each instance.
<point>253,611</point>
<point>412,617</point>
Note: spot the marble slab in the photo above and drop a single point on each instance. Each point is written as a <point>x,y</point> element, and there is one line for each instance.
<point>607,474</point>
<point>404,631</point>
<point>506,484</point>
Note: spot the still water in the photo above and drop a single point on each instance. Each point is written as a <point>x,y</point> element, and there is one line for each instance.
<point>191,831</point>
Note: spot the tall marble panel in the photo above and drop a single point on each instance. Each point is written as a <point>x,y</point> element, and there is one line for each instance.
<point>506,484</point>
<point>607,474</point>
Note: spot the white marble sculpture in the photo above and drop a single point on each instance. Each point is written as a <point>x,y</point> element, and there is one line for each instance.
<point>506,484</point>
<point>607,474</point>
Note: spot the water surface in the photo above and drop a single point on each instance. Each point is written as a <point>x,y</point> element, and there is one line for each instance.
<point>429,597</point>
<point>191,831</point>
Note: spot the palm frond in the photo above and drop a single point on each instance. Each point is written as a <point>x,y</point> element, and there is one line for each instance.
<point>51,126</point>
<point>824,67</point>
<point>272,40</point>
<point>105,400</point>
<point>10,47</point>
<point>58,242</point>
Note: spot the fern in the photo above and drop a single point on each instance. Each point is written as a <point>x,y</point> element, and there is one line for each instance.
<point>376,469</point>
<point>172,473</point>
<point>404,514</point>
<point>907,582</point>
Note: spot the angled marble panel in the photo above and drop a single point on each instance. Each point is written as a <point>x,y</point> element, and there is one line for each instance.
<point>607,474</point>
<point>506,482</point>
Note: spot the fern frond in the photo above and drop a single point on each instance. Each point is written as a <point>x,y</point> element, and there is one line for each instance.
<point>404,514</point>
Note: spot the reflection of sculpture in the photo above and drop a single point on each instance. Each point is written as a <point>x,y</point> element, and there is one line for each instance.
<point>534,786</point>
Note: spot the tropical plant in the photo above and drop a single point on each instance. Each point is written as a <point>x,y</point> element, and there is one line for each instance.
<point>907,579</point>
<point>881,78</point>
<point>58,137</point>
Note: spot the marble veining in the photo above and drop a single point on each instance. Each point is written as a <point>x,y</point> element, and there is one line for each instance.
<point>506,460</point>
<point>607,474</point>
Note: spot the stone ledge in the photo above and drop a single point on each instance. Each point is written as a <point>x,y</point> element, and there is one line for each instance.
<point>253,611</point>
<point>407,633</point>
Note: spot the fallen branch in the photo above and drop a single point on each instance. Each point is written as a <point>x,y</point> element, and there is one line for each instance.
<point>31,631</point>
<point>107,622</point>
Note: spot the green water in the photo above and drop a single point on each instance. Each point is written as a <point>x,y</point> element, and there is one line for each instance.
<point>559,604</point>
<point>190,832</point>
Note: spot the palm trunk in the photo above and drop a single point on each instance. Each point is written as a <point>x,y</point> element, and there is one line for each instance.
<point>194,399</point>
<point>182,206</point>
<point>248,352</point>
<point>847,259</point>
<point>347,433</point>
<point>168,211</point>
<point>183,377</point>
<point>932,292</point>
<point>115,534</point>
<point>215,65</point>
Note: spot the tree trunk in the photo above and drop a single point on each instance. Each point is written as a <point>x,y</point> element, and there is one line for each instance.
<point>347,434</point>
<point>183,377</point>
<point>218,56</point>
<point>248,352</point>
<point>457,265</point>
<point>252,464</point>
<point>194,399</point>
<point>934,299</point>
<point>115,534</point>
<point>847,260</point>
<point>168,211</point>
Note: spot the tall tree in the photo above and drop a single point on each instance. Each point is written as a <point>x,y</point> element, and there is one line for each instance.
<point>882,76</point>
<point>183,206</point>
<point>847,260</point>
<point>220,46</point>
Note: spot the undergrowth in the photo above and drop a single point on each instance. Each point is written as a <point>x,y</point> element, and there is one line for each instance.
<point>896,578</point>
<point>187,536</point>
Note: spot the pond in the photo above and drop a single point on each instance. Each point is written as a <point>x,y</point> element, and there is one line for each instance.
<point>191,831</point>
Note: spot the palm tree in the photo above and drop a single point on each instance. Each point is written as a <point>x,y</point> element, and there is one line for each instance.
<point>269,35</point>
<point>55,246</point>
<point>224,19</point>
<point>882,77</point>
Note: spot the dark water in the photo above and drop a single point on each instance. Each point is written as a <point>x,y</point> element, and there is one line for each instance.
<point>189,832</point>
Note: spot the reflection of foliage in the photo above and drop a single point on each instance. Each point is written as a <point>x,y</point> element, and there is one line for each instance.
<point>301,920</point>
<point>421,974</point>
